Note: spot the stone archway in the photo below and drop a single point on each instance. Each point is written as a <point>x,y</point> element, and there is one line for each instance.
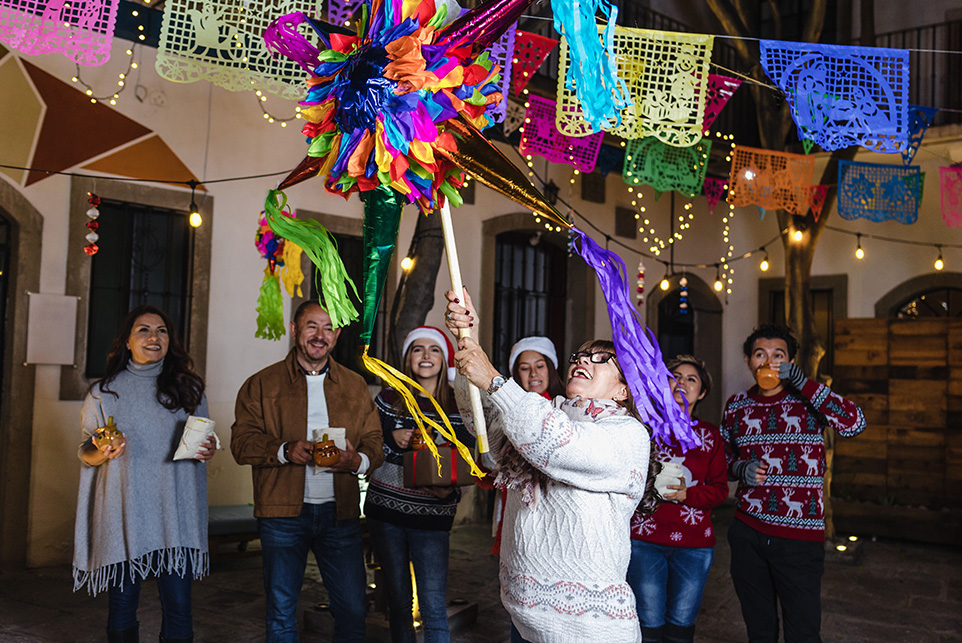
<point>707,311</point>
<point>16,420</point>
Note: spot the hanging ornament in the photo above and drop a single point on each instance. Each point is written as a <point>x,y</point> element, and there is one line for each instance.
<point>878,192</point>
<point>807,145</point>
<point>714,189</point>
<point>91,248</point>
<point>770,180</point>
<point>280,256</point>
<point>541,137</point>
<point>817,199</point>
<point>530,50</point>
<point>666,167</point>
<point>82,30</point>
<point>683,296</point>
<point>951,178</point>
<point>919,120</point>
<point>640,287</point>
<point>720,89</point>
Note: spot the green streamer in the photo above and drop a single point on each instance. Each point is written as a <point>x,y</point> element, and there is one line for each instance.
<point>317,243</point>
<point>382,216</point>
<point>270,309</point>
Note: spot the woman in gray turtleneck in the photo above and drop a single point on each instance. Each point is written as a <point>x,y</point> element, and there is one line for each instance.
<point>139,512</point>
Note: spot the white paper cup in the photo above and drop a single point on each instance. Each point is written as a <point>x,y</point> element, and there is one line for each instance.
<point>669,475</point>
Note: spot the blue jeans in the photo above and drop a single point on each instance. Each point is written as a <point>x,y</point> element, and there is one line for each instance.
<point>668,582</point>
<point>175,604</point>
<point>340,557</point>
<point>396,549</point>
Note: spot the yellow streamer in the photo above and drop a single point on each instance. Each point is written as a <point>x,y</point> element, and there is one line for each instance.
<point>400,383</point>
<point>291,274</point>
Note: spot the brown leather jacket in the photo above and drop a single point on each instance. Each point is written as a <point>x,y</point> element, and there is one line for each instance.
<point>271,409</point>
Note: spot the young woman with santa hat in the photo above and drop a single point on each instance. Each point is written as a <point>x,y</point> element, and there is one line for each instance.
<point>412,526</point>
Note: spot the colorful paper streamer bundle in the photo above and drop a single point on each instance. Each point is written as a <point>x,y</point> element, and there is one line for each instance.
<point>842,96</point>
<point>283,266</point>
<point>666,75</point>
<point>541,137</point>
<point>771,180</point>
<point>666,167</point>
<point>950,179</point>
<point>638,353</point>
<point>220,41</point>
<point>82,29</point>
<point>878,192</point>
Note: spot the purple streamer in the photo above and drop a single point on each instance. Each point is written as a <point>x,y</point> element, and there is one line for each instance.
<point>637,349</point>
<point>282,37</point>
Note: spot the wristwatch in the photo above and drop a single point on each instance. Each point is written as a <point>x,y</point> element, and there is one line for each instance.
<point>496,383</point>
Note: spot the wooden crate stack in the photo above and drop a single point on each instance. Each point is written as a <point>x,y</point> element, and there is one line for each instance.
<point>907,377</point>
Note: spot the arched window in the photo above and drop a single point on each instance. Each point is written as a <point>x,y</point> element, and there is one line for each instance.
<point>938,302</point>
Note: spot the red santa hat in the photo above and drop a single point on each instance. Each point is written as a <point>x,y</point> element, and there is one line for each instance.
<point>437,336</point>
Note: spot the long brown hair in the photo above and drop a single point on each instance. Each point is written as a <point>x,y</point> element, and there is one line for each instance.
<point>650,500</point>
<point>178,386</point>
<point>442,391</point>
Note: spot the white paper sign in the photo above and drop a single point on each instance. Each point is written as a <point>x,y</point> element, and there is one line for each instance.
<point>52,329</point>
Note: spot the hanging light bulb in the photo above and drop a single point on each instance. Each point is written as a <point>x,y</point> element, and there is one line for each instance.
<point>664,284</point>
<point>406,263</point>
<point>859,253</point>
<point>797,235</point>
<point>718,282</point>
<point>764,264</point>
<point>939,264</point>
<point>194,218</point>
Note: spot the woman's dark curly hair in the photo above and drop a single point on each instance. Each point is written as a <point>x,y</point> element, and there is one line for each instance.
<point>178,386</point>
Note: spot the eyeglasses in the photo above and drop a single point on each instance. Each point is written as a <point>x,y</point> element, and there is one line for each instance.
<point>599,357</point>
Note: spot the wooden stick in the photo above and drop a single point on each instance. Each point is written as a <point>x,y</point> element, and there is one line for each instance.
<point>454,269</point>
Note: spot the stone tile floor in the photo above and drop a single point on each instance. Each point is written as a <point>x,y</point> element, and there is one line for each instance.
<point>895,591</point>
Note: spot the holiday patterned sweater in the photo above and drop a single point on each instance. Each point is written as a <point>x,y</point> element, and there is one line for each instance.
<point>785,430</point>
<point>388,499</point>
<point>688,524</point>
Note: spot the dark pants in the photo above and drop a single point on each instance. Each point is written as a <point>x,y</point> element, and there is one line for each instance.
<point>398,548</point>
<point>767,570</point>
<point>340,557</point>
<point>175,604</point>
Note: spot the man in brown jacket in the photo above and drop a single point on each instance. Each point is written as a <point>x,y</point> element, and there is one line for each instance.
<point>298,507</point>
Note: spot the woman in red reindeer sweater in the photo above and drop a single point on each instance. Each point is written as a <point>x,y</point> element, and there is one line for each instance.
<point>673,548</point>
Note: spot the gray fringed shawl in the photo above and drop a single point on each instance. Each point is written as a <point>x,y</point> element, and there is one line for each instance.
<point>141,513</point>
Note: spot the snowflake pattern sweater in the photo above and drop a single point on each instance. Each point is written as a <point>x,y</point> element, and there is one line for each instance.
<point>688,524</point>
<point>785,430</point>
<point>387,498</point>
<point>564,556</point>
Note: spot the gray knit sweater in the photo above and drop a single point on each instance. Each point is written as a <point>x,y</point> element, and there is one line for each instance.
<point>142,509</point>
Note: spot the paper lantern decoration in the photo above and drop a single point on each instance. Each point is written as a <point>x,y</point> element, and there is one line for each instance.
<point>530,50</point>
<point>919,120</point>
<point>771,180</point>
<point>714,189</point>
<point>640,285</point>
<point>81,29</point>
<point>666,167</point>
<point>951,180</point>
<point>221,41</point>
<point>878,192</point>
<point>541,137</point>
<point>339,12</point>
<point>816,199</point>
<point>667,78</point>
<point>842,96</point>
<point>720,89</point>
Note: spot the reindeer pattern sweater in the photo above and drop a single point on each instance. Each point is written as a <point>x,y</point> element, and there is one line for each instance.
<point>785,430</point>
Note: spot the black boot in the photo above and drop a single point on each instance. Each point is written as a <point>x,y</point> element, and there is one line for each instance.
<point>189,639</point>
<point>679,633</point>
<point>130,635</point>
<point>651,634</point>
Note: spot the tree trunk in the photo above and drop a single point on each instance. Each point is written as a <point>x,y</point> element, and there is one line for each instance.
<point>415,292</point>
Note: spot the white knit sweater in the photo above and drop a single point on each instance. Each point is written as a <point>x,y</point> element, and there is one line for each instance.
<point>565,556</point>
